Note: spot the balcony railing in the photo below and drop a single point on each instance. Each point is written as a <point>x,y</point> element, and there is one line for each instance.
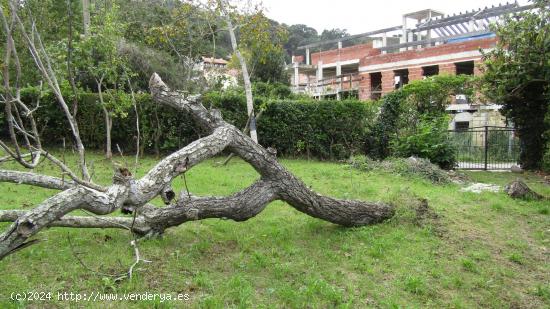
<point>330,85</point>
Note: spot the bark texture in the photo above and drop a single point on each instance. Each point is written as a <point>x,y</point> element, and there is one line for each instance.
<point>127,193</point>
<point>519,189</point>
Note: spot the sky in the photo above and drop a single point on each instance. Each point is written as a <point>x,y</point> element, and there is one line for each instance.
<point>359,16</point>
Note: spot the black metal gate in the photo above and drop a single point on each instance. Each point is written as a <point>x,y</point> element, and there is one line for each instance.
<point>486,148</point>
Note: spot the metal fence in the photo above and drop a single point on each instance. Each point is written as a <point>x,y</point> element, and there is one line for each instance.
<point>486,148</point>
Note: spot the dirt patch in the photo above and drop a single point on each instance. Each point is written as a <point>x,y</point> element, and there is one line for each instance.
<point>426,216</point>
<point>481,187</point>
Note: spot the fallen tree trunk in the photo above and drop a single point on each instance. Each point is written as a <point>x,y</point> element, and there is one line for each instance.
<point>127,193</point>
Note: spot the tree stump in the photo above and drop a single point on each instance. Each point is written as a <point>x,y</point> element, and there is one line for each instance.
<point>519,189</point>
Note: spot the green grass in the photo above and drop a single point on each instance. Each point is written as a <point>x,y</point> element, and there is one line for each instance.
<point>482,250</point>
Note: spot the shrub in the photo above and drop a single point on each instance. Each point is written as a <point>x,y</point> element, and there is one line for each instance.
<point>546,159</point>
<point>430,141</point>
<point>401,128</point>
<point>408,167</point>
<point>546,156</point>
<point>386,125</point>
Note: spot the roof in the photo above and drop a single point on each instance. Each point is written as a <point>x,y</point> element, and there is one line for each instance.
<point>214,60</point>
<point>424,14</point>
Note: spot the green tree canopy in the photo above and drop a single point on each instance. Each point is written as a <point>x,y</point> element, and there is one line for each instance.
<point>517,75</point>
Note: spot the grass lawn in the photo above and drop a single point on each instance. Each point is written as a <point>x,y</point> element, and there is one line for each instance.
<point>482,250</point>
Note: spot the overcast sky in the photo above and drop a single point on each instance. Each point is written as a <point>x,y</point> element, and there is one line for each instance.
<point>359,16</point>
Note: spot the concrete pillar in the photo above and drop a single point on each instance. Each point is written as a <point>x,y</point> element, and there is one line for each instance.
<point>384,41</point>
<point>307,56</point>
<point>410,39</point>
<point>429,33</point>
<point>319,76</point>
<point>338,64</point>
<point>296,75</point>
<point>339,78</point>
<point>404,34</point>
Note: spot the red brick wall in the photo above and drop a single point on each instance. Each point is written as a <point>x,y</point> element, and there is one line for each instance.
<point>388,81</point>
<point>447,68</point>
<point>347,53</point>
<point>429,51</point>
<point>298,59</point>
<point>415,73</point>
<point>364,87</point>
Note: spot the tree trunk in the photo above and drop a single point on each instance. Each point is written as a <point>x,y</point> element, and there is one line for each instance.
<point>519,189</point>
<point>86,16</point>
<point>108,123</point>
<point>244,69</point>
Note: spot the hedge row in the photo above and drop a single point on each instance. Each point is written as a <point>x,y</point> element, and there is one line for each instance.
<point>321,129</point>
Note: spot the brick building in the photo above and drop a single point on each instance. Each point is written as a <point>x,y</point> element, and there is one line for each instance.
<point>377,62</point>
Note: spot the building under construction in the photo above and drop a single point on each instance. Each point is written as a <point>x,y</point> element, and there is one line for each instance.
<point>371,64</point>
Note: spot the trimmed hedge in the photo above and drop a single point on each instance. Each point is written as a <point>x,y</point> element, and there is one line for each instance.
<point>321,129</point>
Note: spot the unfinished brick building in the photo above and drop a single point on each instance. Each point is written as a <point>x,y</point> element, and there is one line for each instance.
<point>377,62</point>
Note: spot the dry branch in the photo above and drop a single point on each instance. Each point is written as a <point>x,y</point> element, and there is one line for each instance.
<point>34,179</point>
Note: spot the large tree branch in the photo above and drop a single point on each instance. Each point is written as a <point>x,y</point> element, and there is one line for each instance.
<point>125,191</point>
<point>85,221</point>
<point>33,179</point>
<point>288,188</point>
<point>56,207</point>
<point>239,207</point>
<point>177,163</point>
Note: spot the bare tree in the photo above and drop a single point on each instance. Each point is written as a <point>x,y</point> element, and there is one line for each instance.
<point>43,63</point>
<point>222,5</point>
<point>129,194</point>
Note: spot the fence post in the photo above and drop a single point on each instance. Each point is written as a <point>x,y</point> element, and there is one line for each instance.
<point>486,142</point>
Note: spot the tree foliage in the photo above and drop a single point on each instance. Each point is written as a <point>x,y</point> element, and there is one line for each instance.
<point>517,75</point>
<point>412,120</point>
<point>262,41</point>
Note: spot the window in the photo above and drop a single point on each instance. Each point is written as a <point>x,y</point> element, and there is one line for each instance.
<point>376,85</point>
<point>401,78</point>
<point>466,68</point>
<point>462,125</point>
<point>430,70</point>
